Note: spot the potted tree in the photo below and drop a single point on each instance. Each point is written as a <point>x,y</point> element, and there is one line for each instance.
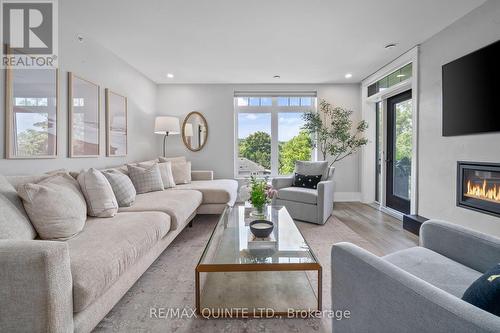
<point>333,132</point>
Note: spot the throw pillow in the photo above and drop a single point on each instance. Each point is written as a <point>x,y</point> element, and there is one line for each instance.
<point>181,172</point>
<point>178,159</point>
<point>145,179</point>
<point>306,181</point>
<point>122,187</point>
<point>101,201</point>
<point>15,223</point>
<point>312,168</point>
<point>167,175</point>
<point>55,206</point>
<point>165,171</point>
<point>485,291</point>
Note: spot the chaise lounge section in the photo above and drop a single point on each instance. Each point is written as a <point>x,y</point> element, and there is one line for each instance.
<point>69,286</point>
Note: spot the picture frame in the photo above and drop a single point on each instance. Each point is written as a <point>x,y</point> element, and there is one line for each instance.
<point>84,112</point>
<point>31,113</point>
<point>116,124</point>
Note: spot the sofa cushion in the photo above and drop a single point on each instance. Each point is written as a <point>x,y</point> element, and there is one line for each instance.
<point>435,269</point>
<point>15,223</point>
<point>101,201</point>
<point>55,205</point>
<point>179,204</point>
<point>298,194</point>
<point>108,247</point>
<point>218,191</point>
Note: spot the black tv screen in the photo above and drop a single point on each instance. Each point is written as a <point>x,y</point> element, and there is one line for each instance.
<point>471,91</point>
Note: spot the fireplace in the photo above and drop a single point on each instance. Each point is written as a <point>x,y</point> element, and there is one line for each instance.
<point>478,187</point>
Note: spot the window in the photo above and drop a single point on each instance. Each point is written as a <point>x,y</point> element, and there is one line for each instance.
<point>269,134</point>
<point>400,75</point>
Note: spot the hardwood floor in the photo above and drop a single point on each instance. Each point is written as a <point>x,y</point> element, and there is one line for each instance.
<point>382,231</point>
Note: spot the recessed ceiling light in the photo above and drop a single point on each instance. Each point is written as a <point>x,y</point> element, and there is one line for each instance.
<point>276,77</point>
<point>390,46</point>
<point>170,75</point>
<point>348,75</point>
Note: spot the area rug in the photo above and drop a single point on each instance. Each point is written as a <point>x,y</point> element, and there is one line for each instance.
<point>169,284</point>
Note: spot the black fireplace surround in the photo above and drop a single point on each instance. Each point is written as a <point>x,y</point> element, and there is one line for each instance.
<point>478,187</point>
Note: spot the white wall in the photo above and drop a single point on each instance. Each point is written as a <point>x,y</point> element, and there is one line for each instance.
<point>215,101</point>
<point>93,62</point>
<point>438,155</point>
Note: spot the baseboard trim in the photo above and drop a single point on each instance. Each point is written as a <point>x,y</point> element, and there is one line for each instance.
<point>392,212</point>
<point>347,196</point>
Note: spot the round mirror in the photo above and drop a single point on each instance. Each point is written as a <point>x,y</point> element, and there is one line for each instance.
<point>194,131</point>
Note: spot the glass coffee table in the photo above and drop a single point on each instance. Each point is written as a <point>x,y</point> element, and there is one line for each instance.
<point>241,276</point>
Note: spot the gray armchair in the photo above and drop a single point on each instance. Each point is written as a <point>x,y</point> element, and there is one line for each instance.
<point>417,289</point>
<point>310,205</point>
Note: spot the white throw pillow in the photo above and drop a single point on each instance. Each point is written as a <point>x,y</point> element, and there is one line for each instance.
<point>122,187</point>
<point>146,179</point>
<point>55,206</point>
<point>101,201</point>
<point>182,172</point>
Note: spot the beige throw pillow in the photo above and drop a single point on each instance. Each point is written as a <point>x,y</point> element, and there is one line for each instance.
<point>55,206</point>
<point>15,223</point>
<point>101,201</point>
<point>182,172</point>
<point>146,179</point>
<point>165,172</point>
<point>172,159</point>
<point>122,187</point>
<point>167,175</point>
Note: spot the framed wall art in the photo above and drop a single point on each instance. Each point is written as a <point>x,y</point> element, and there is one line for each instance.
<point>31,113</point>
<point>84,117</point>
<point>116,124</point>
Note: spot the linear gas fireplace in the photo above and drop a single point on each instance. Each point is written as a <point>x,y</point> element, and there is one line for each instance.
<point>478,187</point>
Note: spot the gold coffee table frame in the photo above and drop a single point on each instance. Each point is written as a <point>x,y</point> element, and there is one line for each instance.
<point>204,267</point>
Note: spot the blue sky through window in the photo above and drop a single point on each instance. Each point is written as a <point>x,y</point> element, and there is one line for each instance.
<point>249,123</point>
<point>289,124</point>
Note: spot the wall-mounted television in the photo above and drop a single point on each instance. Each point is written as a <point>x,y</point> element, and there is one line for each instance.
<point>471,91</point>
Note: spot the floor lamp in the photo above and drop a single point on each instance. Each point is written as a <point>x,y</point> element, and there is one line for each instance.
<point>166,125</point>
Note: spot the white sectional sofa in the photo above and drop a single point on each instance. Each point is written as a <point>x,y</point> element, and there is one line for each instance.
<point>69,286</point>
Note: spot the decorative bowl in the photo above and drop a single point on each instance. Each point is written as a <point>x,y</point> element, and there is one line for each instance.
<point>261,228</point>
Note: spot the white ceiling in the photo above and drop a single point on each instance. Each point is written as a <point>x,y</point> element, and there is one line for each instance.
<point>250,41</point>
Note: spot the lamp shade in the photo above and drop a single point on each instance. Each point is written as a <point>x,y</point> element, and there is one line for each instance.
<point>167,124</point>
<point>188,129</point>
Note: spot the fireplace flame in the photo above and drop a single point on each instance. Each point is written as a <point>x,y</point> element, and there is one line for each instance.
<point>483,191</point>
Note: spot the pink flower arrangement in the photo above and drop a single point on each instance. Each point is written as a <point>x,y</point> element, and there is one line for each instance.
<point>271,192</point>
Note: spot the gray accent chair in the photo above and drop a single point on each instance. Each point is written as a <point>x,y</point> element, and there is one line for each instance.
<point>310,205</point>
<point>418,289</point>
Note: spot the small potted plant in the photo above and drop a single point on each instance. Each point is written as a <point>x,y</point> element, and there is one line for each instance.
<point>261,193</point>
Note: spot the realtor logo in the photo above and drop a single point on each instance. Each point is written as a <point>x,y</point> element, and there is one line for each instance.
<point>29,33</point>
